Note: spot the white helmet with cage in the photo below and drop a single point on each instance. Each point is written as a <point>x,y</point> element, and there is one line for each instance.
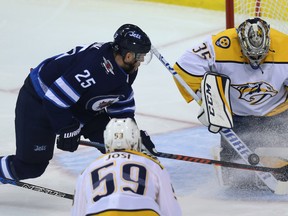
<point>122,134</point>
<point>254,38</point>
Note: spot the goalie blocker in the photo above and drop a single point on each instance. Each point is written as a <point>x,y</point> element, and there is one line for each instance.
<point>215,111</point>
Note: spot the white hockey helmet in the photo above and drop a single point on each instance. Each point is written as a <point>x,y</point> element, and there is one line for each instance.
<point>122,134</point>
<point>254,38</point>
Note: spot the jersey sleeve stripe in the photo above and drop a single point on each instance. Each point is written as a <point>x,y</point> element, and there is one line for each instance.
<point>55,99</point>
<point>67,89</point>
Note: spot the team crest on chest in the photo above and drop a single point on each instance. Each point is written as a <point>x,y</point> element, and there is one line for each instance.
<point>255,93</point>
<point>223,42</point>
<point>100,102</point>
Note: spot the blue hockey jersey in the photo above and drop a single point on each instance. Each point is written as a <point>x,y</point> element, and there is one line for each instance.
<point>81,82</point>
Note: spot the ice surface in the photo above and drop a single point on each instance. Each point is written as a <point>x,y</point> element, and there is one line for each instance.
<point>31,30</point>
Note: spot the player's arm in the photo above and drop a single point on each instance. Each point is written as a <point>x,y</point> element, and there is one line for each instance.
<point>62,86</point>
<point>192,65</point>
<point>63,93</point>
<point>59,96</point>
<point>123,106</point>
<point>193,81</point>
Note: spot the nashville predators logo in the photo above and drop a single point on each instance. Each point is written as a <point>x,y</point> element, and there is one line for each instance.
<point>255,93</point>
<point>223,42</point>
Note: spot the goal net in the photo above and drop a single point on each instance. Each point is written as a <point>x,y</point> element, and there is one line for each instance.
<point>275,12</point>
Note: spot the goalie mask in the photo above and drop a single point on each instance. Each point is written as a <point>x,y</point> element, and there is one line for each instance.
<point>254,38</point>
<point>122,134</point>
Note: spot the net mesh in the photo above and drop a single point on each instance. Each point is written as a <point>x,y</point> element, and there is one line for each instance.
<point>275,12</point>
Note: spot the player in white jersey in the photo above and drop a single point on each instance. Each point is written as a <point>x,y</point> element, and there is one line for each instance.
<point>255,58</point>
<point>124,181</point>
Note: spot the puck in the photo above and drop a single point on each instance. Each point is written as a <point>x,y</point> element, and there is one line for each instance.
<point>253,159</point>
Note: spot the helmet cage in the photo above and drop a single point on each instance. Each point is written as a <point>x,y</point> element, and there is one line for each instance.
<point>254,38</point>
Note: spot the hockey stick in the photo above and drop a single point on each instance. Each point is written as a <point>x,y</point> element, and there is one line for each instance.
<point>282,170</point>
<point>36,188</point>
<point>229,135</point>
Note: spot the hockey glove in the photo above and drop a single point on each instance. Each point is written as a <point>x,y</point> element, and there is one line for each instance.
<point>69,137</point>
<point>147,145</point>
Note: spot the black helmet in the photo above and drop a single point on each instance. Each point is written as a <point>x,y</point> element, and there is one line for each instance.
<point>130,37</point>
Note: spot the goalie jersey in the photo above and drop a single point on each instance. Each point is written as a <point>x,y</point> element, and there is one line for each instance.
<point>253,92</point>
<point>125,183</point>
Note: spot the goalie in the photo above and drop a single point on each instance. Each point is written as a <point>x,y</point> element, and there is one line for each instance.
<point>255,59</point>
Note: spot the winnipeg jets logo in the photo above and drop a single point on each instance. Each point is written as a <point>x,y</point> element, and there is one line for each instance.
<point>255,93</point>
<point>40,148</point>
<point>108,66</point>
<point>101,102</point>
<point>104,103</point>
<point>133,34</point>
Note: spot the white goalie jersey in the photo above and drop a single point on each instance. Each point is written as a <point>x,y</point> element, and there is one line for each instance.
<point>125,183</point>
<point>260,92</point>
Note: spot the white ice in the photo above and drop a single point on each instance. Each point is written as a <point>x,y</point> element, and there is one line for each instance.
<point>31,30</point>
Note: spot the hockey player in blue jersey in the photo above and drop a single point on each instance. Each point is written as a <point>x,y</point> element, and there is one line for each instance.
<point>73,94</point>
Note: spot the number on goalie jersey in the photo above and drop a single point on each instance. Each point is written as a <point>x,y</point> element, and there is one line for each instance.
<point>255,58</point>
<point>125,181</point>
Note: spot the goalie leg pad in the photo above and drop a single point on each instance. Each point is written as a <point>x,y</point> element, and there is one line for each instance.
<point>216,112</point>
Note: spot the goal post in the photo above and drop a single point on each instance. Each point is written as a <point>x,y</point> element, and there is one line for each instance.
<point>230,14</point>
<point>275,12</point>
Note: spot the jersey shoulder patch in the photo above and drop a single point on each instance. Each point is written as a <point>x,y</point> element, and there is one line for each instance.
<point>227,47</point>
<point>278,52</point>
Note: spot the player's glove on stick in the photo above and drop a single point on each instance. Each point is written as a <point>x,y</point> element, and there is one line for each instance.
<point>215,111</point>
<point>147,145</point>
<point>69,137</point>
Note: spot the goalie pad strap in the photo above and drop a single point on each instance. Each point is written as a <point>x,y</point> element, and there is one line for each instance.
<point>216,100</point>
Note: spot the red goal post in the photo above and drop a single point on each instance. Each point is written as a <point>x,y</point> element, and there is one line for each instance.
<point>275,12</point>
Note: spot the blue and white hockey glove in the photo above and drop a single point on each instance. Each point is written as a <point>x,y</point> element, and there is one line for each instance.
<point>69,137</point>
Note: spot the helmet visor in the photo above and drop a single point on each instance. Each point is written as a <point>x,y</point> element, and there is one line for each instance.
<point>144,58</point>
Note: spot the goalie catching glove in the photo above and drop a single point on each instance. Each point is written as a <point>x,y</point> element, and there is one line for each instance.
<point>215,111</point>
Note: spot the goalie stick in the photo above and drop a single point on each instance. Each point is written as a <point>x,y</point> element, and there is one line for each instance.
<point>36,188</point>
<point>229,135</point>
<point>282,170</point>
